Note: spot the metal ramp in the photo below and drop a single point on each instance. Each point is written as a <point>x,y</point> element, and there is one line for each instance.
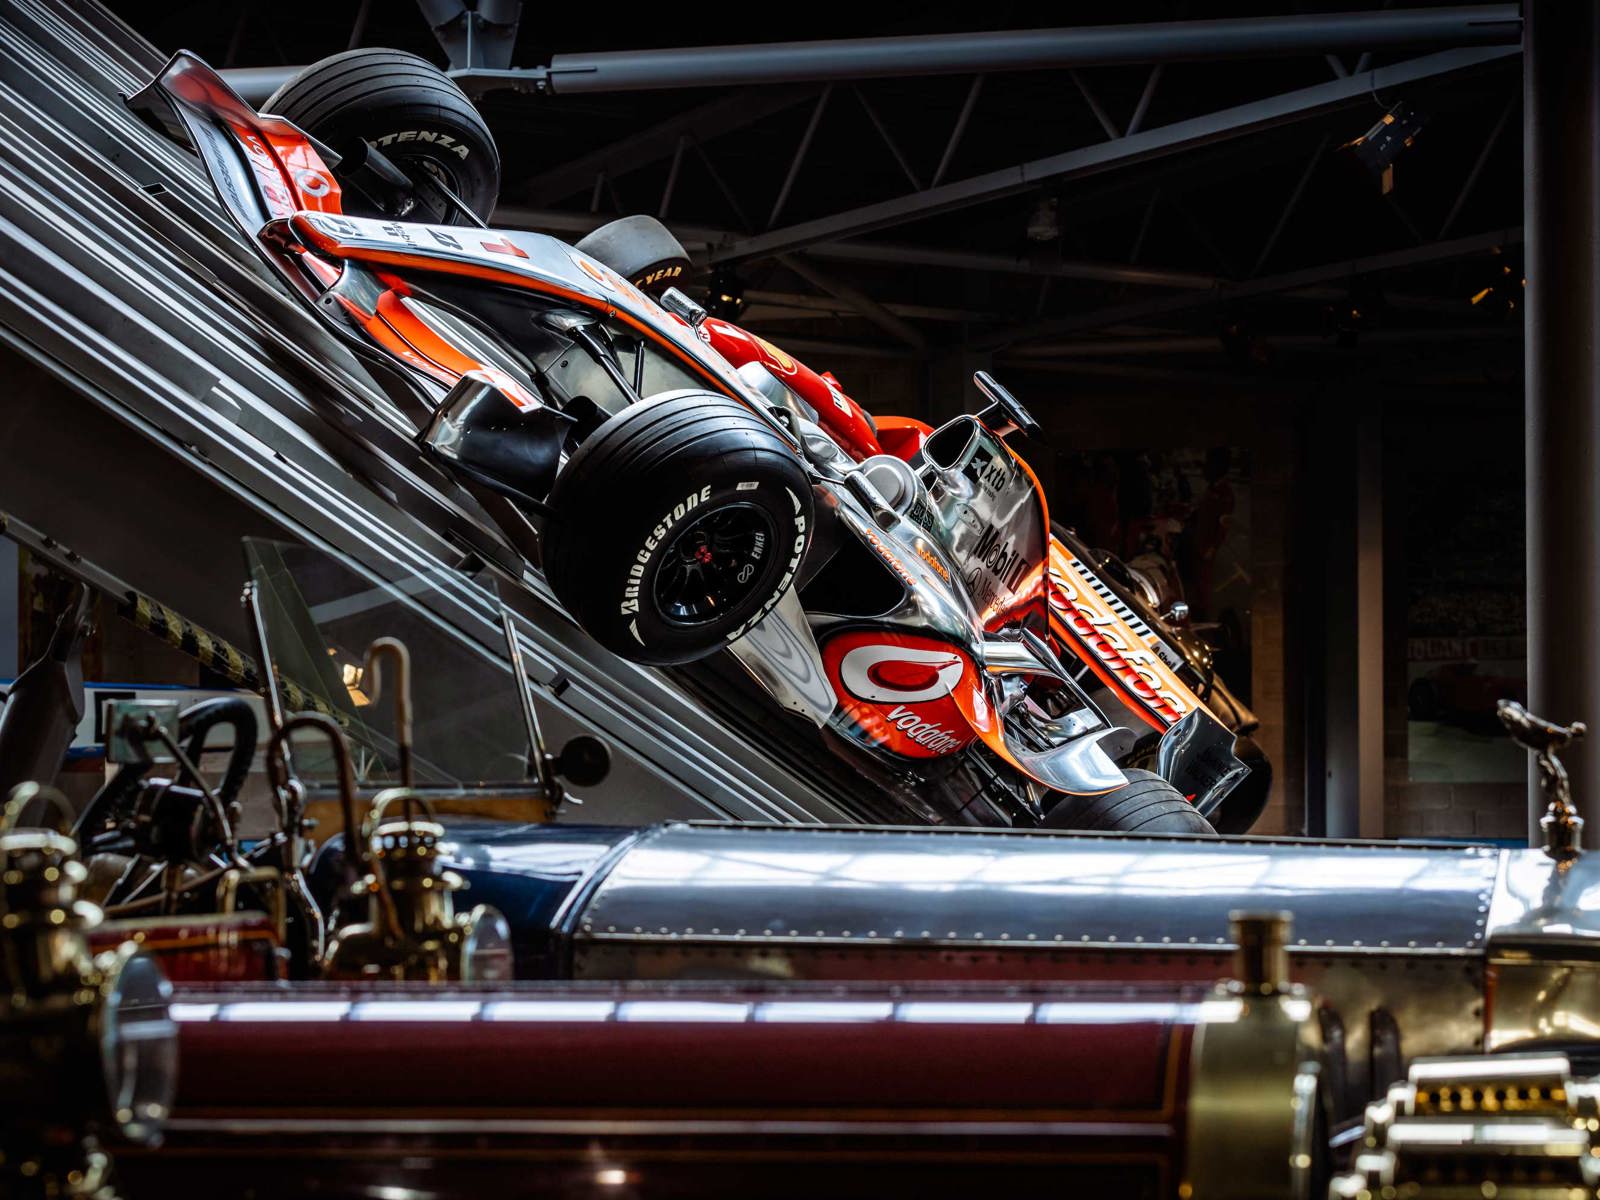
<point>162,398</point>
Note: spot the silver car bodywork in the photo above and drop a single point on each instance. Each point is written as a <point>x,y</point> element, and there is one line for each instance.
<point>1414,949</point>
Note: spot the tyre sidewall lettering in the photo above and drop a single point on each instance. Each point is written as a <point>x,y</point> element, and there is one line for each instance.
<point>633,610</point>
<point>639,565</point>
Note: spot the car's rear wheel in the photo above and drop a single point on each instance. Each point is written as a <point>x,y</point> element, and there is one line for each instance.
<point>642,250</point>
<point>676,526</point>
<point>1147,803</point>
<point>414,115</point>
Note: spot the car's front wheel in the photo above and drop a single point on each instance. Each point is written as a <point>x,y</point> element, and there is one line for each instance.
<point>676,526</point>
<point>410,111</point>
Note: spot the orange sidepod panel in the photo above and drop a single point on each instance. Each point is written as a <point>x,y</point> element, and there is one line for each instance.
<point>907,694</point>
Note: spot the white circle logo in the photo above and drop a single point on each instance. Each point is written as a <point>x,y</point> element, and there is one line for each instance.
<point>900,674</point>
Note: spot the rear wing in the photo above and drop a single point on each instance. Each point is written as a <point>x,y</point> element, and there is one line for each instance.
<point>265,168</point>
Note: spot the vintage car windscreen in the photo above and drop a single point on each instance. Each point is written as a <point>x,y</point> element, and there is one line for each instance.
<point>321,615</point>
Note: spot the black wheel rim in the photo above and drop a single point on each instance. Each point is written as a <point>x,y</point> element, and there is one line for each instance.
<point>714,564</point>
<point>427,176</point>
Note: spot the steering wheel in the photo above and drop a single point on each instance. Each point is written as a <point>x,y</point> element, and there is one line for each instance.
<point>194,724</point>
<point>1005,413</point>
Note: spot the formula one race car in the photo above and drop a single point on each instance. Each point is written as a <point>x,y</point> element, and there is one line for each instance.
<point>695,489</point>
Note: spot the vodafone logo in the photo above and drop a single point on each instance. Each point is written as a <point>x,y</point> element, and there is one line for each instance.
<point>925,733</point>
<point>900,674</point>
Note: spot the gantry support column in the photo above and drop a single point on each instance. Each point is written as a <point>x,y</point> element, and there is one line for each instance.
<point>1561,203</point>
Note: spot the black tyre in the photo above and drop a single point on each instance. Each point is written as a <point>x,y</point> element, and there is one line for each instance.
<point>642,250</point>
<point>413,113</point>
<point>676,526</point>
<point>1147,803</point>
<point>1242,808</point>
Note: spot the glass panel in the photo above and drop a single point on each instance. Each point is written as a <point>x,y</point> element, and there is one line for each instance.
<point>321,615</point>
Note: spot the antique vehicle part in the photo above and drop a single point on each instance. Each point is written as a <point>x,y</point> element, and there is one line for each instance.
<point>1544,944</point>
<point>1563,827</point>
<point>1475,1126</point>
<point>1416,949</point>
<point>1258,1078</point>
<point>163,847</point>
<point>412,931</point>
<point>45,703</point>
<point>86,1047</point>
<point>775,1089</point>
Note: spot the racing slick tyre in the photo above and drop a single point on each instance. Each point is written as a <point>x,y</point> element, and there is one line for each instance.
<point>413,113</point>
<point>676,526</point>
<point>1147,803</point>
<point>641,250</point>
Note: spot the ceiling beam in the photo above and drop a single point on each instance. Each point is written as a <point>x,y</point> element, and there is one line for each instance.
<point>1104,156</point>
<point>660,141</point>
<point>1007,50</point>
<point>703,238</point>
<point>897,327</point>
<point>1010,264</point>
<point>804,302</point>
<point>971,53</point>
<point>1144,347</point>
<point>1411,256</point>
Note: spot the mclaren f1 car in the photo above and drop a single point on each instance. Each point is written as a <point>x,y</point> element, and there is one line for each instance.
<point>695,490</point>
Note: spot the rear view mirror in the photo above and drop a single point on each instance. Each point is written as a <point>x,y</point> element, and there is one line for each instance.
<point>1005,413</point>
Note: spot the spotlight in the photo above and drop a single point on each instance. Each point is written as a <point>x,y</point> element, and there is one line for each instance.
<point>1359,311</point>
<point>1378,147</point>
<point>726,300</point>
<point>1496,283</point>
